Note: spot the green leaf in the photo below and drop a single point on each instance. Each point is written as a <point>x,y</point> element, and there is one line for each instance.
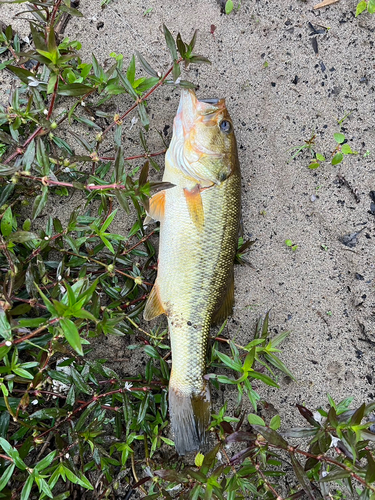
<point>23,373</point>
<point>185,84</point>
<point>47,302</point>
<point>300,432</point>
<point>370,474</point>
<point>108,221</point>
<point>170,42</point>
<point>320,157</point>
<point>71,334</point>
<point>361,6</point>
<point>264,378</point>
<point>60,143</point>
<point>74,89</point>
<point>7,222</point>
<point>46,461</point>
<point>82,480</point>
<point>146,66</point>
<point>335,475</point>
<point>255,420</point>
<point>29,155</point>
<point>51,83</point>
<point>176,71</point>
<point>143,115</point>
<point>229,362</point>
<point>358,415</point>
<point>249,360</point>
<point>40,202</point>
<point>337,159</point>
<point>271,436</point>
<point>228,6</point>
<point>4,351</point>
<point>199,459</point>
<point>7,170</point>
<point>371,6</point>
<point>42,157</point>
<point>192,42</point>
<point>130,72</point>
<point>313,165</point>
<point>346,149</point>
<point>43,486</point>
<point>6,446</point>
<point>26,490</point>
<point>277,363</point>
<point>181,45</point>
<point>6,476</point>
<point>339,138</point>
<point>6,192</point>
<point>79,382</point>
<point>23,74</point>
<point>197,59</point>
<point>302,477</point>
<point>143,409</point>
<point>119,164</point>
<point>6,138</point>
<point>70,10</point>
<point>275,422</point>
<point>128,86</point>
<point>23,236</point>
<point>107,243</point>
<point>279,338</point>
<point>5,330</point>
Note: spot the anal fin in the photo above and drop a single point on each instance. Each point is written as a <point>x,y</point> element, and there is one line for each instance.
<point>154,307</point>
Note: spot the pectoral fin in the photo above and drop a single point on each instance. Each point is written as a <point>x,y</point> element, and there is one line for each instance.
<point>154,307</point>
<point>225,307</point>
<point>156,207</point>
<point>195,206</point>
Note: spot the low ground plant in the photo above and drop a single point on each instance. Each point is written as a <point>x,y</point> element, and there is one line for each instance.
<point>70,425</point>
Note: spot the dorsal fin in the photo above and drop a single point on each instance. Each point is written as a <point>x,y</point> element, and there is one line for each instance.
<point>194,202</point>
<point>154,307</point>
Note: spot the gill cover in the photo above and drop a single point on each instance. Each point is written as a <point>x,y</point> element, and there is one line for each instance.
<point>201,147</point>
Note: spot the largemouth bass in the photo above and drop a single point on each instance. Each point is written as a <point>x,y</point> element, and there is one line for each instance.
<point>199,223</point>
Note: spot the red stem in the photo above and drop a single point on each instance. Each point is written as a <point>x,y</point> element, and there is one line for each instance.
<point>146,155</point>
<point>143,98</point>
<point>32,334</point>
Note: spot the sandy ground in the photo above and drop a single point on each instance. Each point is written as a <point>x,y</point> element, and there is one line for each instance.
<point>279,92</point>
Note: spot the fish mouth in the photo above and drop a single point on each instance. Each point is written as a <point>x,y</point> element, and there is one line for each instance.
<point>192,110</point>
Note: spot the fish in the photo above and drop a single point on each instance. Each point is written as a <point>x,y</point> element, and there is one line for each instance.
<point>199,225</point>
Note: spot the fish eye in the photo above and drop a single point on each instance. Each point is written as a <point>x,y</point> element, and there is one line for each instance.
<point>225,126</point>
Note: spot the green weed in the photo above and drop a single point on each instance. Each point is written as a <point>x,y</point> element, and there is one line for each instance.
<point>363,5</point>
<point>70,424</point>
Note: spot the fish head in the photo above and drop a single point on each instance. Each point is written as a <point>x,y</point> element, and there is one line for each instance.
<point>204,145</point>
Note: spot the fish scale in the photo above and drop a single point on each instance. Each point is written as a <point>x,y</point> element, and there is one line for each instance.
<point>199,223</point>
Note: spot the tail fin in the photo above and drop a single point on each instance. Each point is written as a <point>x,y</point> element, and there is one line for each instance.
<point>190,416</point>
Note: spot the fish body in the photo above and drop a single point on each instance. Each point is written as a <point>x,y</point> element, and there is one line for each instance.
<point>199,224</point>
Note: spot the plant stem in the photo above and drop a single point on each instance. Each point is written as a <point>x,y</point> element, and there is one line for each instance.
<point>143,98</point>
<point>136,157</point>
<point>32,334</point>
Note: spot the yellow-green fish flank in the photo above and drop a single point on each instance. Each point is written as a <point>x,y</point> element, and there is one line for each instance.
<point>199,223</point>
